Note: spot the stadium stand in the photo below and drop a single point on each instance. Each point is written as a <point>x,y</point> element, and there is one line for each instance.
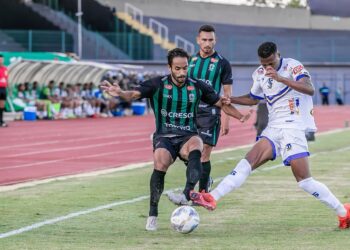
<point>132,43</point>
<point>33,33</point>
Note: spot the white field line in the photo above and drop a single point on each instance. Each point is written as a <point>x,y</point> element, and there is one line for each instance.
<point>114,204</point>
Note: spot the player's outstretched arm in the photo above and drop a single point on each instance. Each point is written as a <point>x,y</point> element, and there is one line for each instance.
<point>115,90</point>
<point>246,100</point>
<point>232,111</point>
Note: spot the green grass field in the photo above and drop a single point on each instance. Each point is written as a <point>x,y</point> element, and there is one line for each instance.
<point>268,212</point>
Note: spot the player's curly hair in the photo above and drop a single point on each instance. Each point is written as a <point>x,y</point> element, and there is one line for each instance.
<point>177,52</point>
<point>266,49</point>
<point>206,28</point>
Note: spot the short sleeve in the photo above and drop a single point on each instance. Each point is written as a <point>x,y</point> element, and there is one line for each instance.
<point>147,88</point>
<point>226,74</point>
<point>256,91</point>
<point>209,95</point>
<point>298,71</point>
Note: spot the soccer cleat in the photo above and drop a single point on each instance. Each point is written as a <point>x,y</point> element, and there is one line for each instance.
<point>344,222</point>
<point>3,125</point>
<point>177,199</point>
<point>203,199</point>
<point>151,224</point>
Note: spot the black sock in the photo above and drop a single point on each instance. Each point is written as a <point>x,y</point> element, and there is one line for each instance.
<point>1,115</point>
<point>193,172</point>
<point>156,187</point>
<point>203,182</point>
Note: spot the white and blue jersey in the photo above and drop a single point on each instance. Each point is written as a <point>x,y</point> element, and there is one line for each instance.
<point>290,112</point>
<point>288,108</point>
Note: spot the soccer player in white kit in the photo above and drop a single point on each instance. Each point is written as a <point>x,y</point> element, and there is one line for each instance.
<point>286,86</point>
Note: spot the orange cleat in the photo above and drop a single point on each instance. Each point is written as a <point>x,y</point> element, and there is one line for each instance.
<point>203,199</point>
<point>344,222</point>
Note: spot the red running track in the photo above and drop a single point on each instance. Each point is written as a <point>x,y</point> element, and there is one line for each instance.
<point>46,149</point>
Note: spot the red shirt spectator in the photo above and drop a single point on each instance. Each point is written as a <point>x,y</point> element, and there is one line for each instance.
<point>3,85</point>
<point>3,76</point>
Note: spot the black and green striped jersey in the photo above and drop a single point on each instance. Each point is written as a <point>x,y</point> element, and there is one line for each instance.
<point>175,108</point>
<point>215,71</point>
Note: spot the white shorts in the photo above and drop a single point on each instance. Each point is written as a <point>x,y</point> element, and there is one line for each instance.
<point>286,142</point>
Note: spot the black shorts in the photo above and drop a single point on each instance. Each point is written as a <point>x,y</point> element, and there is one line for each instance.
<point>209,129</point>
<point>172,144</point>
<point>2,93</point>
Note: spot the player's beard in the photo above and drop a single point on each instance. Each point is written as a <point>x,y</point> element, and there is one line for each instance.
<point>180,79</point>
<point>208,50</point>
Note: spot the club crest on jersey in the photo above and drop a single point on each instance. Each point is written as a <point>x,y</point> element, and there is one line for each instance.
<point>269,83</point>
<point>191,97</point>
<point>168,86</point>
<point>213,60</point>
<point>189,88</point>
<point>289,146</point>
<point>211,67</point>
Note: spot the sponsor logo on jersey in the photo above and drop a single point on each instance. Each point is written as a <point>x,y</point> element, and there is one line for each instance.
<point>168,86</point>
<point>213,60</point>
<point>190,88</point>
<point>297,69</point>
<point>165,113</point>
<point>169,125</point>
<point>206,81</point>
<point>291,106</point>
<point>207,133</point>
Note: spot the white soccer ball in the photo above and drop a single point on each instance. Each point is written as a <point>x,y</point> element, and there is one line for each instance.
<point>184,219</point>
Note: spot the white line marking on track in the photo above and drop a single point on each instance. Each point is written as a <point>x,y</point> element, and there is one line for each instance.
<point>94,145</point>
<point>114,204</point>
<point>75,158</point>
<point>72,140</point>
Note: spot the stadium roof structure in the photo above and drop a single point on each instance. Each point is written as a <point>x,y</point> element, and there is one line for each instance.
<point>68,72</point>
<point>337,8</point>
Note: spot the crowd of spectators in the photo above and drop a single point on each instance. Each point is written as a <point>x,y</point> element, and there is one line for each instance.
<point>60,100</point>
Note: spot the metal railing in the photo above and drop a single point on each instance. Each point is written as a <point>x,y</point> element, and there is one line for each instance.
<point>134,12</point>
<point>185,44</point>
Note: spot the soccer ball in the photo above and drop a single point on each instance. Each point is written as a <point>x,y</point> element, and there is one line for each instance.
<point>184,219</point>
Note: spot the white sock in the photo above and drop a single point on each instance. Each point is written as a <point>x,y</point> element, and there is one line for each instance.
<point>233,180</point>
<point>323,194</point>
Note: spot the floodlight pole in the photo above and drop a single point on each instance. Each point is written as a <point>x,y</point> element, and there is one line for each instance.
<point>80,40</point>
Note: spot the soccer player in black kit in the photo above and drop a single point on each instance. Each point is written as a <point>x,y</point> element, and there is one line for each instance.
<point>212,68</point>
<point>174,99</point>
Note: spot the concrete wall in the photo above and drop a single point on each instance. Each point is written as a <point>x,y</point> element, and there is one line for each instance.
<point>233,14</point>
